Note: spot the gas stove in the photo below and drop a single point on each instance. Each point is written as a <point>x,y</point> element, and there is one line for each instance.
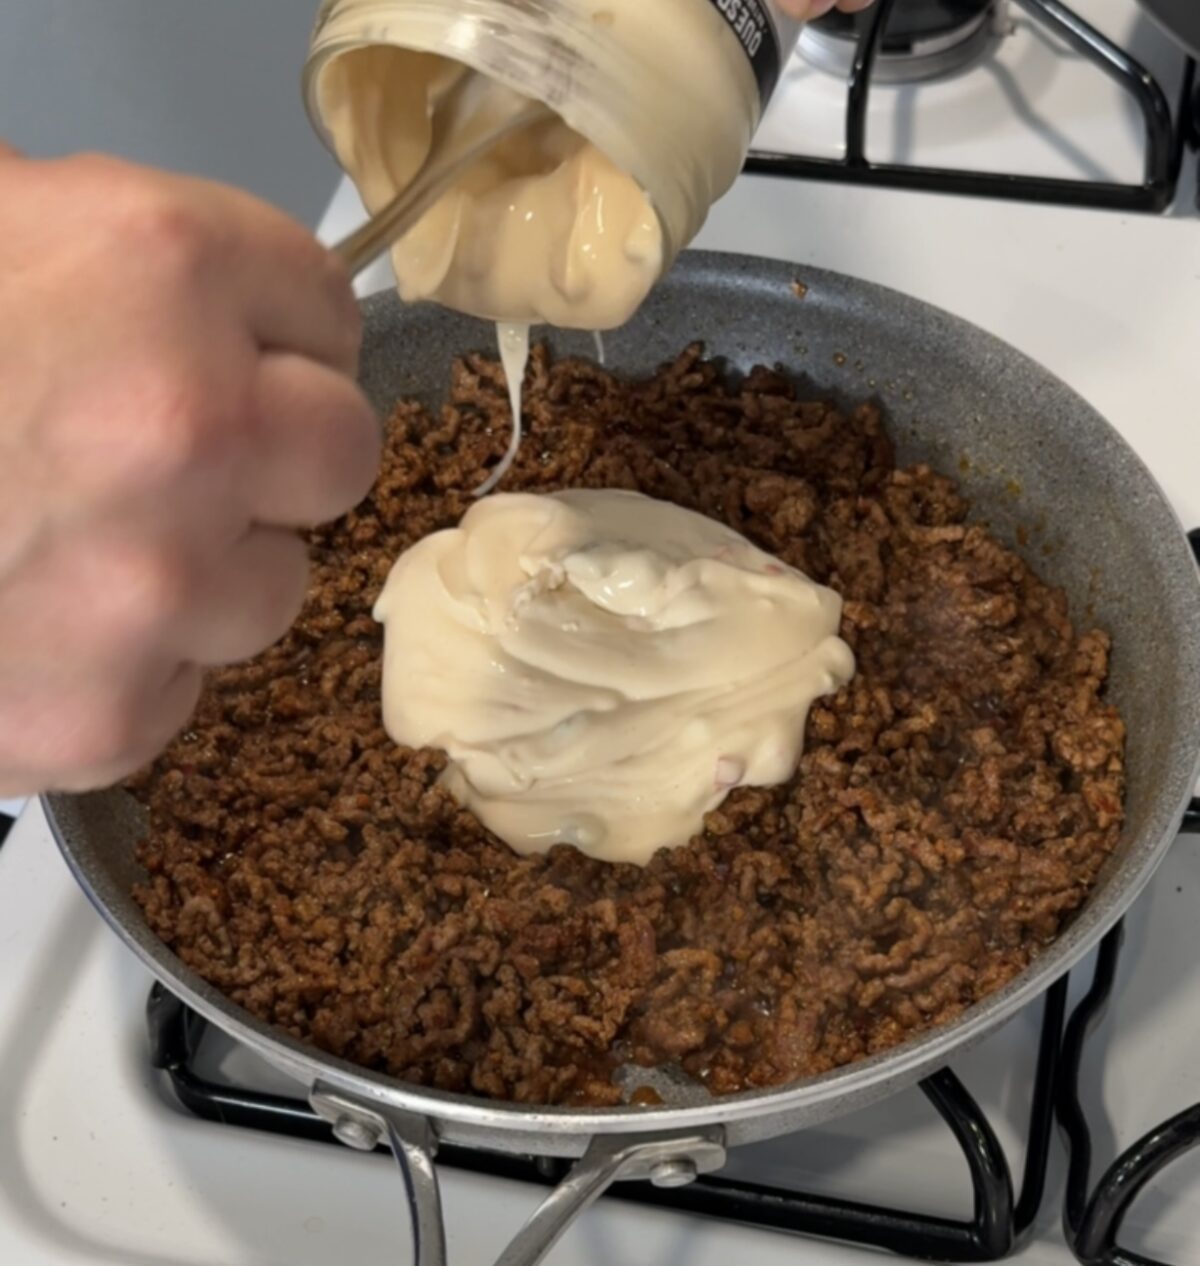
<point>1023,99</point>
<point>101,1161</point>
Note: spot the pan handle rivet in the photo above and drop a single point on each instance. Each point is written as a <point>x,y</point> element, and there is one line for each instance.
<point>360,1135</point>
<point>674,1173</point>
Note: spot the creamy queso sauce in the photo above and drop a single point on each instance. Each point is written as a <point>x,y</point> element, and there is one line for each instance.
<point>603,668</point>
<point>544,229</point>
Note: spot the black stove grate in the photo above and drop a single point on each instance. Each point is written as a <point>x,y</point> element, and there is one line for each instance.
<point>998,1224</point>
<point>1093,1221</point>
<point>1167,132</point>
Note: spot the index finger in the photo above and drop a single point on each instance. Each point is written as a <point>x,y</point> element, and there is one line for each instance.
<point>296,296</point>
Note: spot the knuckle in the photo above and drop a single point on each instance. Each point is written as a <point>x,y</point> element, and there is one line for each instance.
<point>141,212</point>
<point>166,232</point>
<point>142,432</point>
<point>146,589</point>
<point>178,424</point>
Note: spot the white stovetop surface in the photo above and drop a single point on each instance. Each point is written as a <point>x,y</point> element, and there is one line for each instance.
<point>98,1165</point>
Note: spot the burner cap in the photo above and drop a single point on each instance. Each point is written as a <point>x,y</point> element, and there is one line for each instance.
<point>923,39</point>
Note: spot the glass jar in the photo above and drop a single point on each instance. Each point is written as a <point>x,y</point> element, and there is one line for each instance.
<point>670,91</point>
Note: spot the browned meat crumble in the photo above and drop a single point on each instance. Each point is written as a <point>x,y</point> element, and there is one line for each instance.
<point>952,809</point>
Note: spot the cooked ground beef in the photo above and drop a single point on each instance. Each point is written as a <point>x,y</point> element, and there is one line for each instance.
<point>951,811</point>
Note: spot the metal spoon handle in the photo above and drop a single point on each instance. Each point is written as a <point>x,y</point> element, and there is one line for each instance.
<point>365,245</point>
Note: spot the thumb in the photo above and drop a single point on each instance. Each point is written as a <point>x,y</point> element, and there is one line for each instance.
<point>805,10</point>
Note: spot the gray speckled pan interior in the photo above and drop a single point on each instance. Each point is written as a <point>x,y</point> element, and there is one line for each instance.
<point>1041,468</point>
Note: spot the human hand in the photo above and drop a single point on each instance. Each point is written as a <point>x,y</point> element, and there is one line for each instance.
<point>175,399</point>
<point>806,10</point>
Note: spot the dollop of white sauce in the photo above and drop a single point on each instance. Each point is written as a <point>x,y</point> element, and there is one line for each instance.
<point>601,668</point>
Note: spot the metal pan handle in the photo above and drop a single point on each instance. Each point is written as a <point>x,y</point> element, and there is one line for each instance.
<point>667,1160</point>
